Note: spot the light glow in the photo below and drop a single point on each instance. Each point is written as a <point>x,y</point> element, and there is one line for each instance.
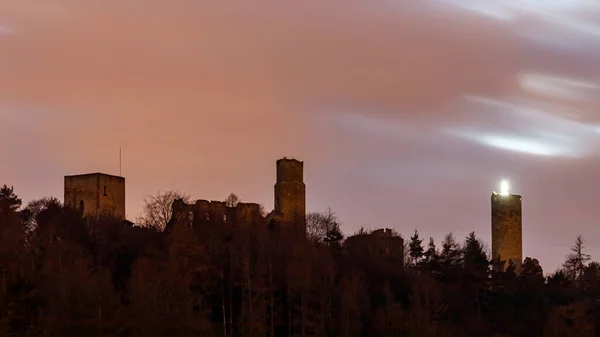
<point>504,187</point>
<point>532,127</point>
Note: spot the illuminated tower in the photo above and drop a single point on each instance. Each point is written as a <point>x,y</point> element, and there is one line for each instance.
<point>96,194</point>
<point>290,194</point>
<point>507,227</point>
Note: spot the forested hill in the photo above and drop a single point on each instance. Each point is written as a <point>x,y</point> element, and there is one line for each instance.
<point>67,276</point>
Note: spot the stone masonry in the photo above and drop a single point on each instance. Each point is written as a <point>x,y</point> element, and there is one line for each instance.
<point>290,205</point>
<point>290,193</point>
<point>381,242</point>
<point>507,233</point>
<point>207,214</point>
<point>96,194</point>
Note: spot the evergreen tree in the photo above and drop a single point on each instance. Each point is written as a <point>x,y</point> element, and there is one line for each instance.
<point>9,201</point>
<point>334,235</point>
<point>430,259</point>
<point>575,263</point>
<point>415,247</point>
<point>531,269</point>
<point>451,252</point>
<point>474,257</point>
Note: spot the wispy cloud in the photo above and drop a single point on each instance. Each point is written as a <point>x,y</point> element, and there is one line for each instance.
<point>6,29</point>
<point>204,96</point>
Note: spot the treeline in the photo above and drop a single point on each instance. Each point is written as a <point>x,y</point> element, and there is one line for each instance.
<point>62,275</point>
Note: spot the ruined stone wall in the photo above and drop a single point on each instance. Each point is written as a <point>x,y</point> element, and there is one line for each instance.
<point>204,214</point>
<point>380,242</point>
<point>86,192</point>
<point>290,192</point>
<point>507,229</point>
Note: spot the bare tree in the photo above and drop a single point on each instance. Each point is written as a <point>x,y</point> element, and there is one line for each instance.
<point>575,263</point>
<point>320,226</point>
<point>232,200</point>
<point>158,209</point>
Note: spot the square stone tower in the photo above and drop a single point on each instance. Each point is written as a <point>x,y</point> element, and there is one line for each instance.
<point>290,193</point>
<point>96,194</point>
<point>507,229</point>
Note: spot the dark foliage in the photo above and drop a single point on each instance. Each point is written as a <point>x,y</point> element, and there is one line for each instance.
<point>62,275</point>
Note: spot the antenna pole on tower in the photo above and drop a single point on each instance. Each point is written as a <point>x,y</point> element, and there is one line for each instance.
<point>120,162</point>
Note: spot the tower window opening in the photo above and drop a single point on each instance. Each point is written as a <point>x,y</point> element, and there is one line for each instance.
<point>104,190</point>
<point>207,216</point>
<point>224,217</point>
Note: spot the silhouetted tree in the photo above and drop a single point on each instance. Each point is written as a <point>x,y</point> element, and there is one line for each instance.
<point>318,225</point>
<point>416,250</point>
<point>232,200</point>
<point>158,209</point>
<point>33,209</point>
<point>76,276</point>
<point>531,269</point>
<point>431,258</point>
<point>475,259</point>
<point>451,254</point>
<point>9,201</point>
<point>334,235</point>
<point>576,261</point>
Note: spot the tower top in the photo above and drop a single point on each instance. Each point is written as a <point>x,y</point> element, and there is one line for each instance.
<point>289,160</point>
<point>504,190</point>
<point>93,174</point>
<point>290,170</point>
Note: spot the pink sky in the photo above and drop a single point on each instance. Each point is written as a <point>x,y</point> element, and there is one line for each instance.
<point>407,114</point>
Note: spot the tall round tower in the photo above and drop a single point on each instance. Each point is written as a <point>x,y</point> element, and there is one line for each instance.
<point>507,228</point>
<point>290,192</point>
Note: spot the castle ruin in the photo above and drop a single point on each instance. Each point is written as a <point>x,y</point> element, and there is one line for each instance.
<point>290,204</point>
<point>382,243</point>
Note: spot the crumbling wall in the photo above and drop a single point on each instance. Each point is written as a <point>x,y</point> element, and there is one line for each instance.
<point>381,242</point>
<point>204,214</point>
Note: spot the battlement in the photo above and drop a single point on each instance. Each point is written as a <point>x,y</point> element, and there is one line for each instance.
<point>382,232</point>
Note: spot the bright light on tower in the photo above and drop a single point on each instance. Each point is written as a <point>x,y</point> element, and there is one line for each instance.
<point>504,187</point>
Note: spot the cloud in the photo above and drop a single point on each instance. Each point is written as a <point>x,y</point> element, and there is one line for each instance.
<point>563,24</point>
<point>534,128</point>
<point>204,96</point>
<point>559,87</point>
<point>6,29</point>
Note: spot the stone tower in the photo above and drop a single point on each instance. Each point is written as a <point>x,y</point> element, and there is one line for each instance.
<point>290,193</point>
<point>507,233</point>
<point>96,194</point>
